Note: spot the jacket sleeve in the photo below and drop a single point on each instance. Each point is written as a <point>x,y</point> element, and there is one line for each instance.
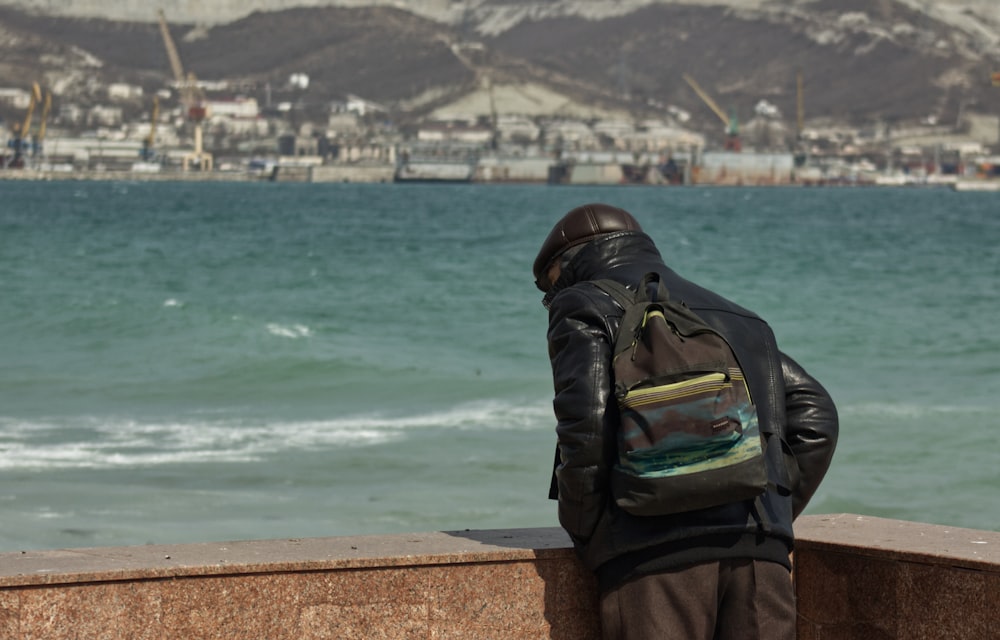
<point>580,354</point>
<point>811,431</point>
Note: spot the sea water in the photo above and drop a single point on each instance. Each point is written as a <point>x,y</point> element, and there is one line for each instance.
<point>186,362</point>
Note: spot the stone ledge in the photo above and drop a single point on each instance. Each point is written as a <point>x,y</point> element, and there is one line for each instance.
<point>102,564</point>
<point>856,577</point>
<point>860,578</point>
<point>469,585</point>
<point>900,540</point>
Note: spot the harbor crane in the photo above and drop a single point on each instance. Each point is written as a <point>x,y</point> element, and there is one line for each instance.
<point>21,138</point>
<point>800,106</point>
<point>191,99</point>
<point>38,145</point>
<point>148,143</point>
<point>730,121</point>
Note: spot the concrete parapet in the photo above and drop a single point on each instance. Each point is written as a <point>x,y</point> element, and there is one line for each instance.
<point>865,578</point>
<point>470,585</point>
<point>856,577</point>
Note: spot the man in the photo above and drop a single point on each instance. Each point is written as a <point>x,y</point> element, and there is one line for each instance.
<point>720,573</point>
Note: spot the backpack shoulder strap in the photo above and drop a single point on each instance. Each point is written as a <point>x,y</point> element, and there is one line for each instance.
<point>634,304</point>
<point>649,289</point>
<point>653,288</point>
<point>618,292</point>
<point>626,299</point>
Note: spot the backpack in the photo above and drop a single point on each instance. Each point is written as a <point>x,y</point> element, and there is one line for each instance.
<point>688,437</point>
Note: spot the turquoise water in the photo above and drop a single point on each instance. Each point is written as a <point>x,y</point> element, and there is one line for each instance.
<point>192,362</point>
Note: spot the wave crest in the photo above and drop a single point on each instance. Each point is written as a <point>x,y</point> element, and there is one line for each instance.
<point>105,443</point>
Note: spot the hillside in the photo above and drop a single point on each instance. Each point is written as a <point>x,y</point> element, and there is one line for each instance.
<point>861,61</point>
<point>850,75</point>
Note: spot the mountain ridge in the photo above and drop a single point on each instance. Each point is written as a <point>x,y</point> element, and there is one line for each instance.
<point>862,62</point>
<point>492,17</point>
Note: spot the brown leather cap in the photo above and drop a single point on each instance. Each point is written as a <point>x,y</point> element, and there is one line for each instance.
<point>576,227</point>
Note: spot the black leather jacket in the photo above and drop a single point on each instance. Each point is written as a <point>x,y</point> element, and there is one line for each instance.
<point>791,405</point>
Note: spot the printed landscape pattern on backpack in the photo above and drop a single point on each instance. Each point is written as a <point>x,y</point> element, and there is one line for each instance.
<point>689,437</point>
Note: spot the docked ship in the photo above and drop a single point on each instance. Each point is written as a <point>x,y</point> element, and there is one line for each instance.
<point>437,163</point>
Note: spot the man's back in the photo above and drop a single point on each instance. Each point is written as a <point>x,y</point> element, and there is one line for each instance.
<point>599,242</point>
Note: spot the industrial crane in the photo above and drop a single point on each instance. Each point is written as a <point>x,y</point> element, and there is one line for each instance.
<point>43,121</point>
<point>732,124</point>
<point>191,99</point>
<point>21,140</point>
<point>148,149</point>
<point>800,107</point>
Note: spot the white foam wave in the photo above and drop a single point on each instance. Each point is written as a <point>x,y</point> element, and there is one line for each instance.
<point>289,331</point>
<point>495,414</point>
<point>93,443</point>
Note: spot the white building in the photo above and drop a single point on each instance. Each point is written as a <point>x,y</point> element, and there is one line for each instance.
<point>123,91</point>
<point>104,116</point>
<point>571,134</point>
<point>517,128</point>
<point>361,106</point>
<point>656,136</point>
<point>224,125</point>
<point>70,113</point>
<point>17,98</point>
<point>614,130</point>
<point>240,107</point>
<point>343,124</point>
<point>447,132</point>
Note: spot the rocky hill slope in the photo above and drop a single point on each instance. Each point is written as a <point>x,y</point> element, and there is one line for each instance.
<point>862,61</point>
<point>978,17</point>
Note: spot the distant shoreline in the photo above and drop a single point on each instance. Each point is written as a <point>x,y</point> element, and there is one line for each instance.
<point>136,176</point>
<point>297,175</point>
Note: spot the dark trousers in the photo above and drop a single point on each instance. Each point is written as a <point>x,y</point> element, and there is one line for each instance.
<point>738,599</point>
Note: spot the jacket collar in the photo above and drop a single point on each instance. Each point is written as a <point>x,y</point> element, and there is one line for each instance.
<point>616,254</point>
